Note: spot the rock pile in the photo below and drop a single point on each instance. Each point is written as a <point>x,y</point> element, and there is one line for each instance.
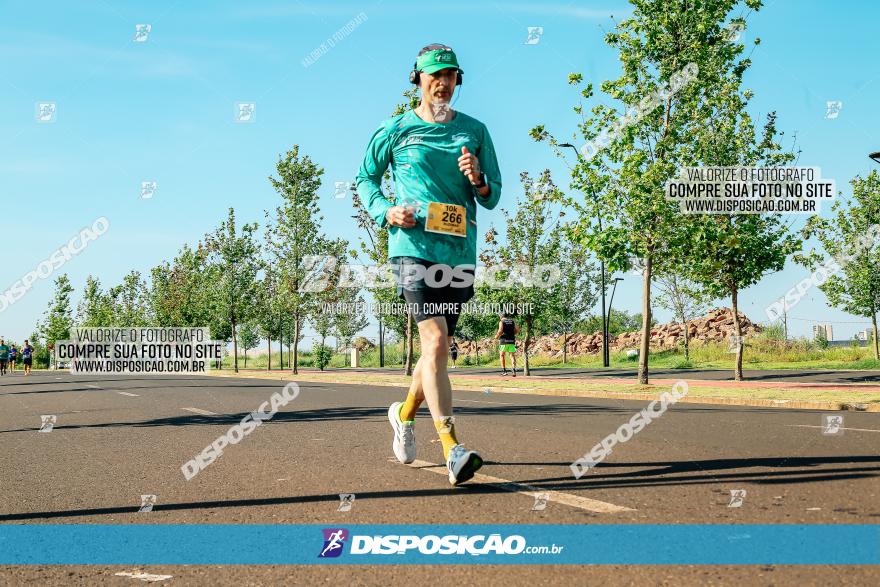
<point>716,326</point>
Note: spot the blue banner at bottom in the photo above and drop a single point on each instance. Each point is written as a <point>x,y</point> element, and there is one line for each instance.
<point>171,544</point>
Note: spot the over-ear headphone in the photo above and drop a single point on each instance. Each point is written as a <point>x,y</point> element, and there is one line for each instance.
<point>414,76</point>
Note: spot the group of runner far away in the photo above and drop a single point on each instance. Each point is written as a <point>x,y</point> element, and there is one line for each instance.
<point>9,355</point>
<point>444,164</point>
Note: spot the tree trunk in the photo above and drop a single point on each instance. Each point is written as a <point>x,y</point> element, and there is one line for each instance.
<point>646,323</point>
<point>564,347</point>
<point>408,367</point>
<point>687,329</point>
<point>526,345</point>
<point>737,328</point>
<point>876,347</point>
<point>245,358</point>
<point>269,340</point>
<point>295,343</point>
<point>234,346</point>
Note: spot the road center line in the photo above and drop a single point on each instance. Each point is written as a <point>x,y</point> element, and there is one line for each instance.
<point>93,386</point>
<point>200,412</point>
<point>477,401</point>
<point>144,576</point>
<point>584,503</point>
<point>128,394</point>
<point>841,428</point>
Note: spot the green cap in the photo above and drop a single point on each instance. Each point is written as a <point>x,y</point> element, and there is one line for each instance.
<point>435,60</point>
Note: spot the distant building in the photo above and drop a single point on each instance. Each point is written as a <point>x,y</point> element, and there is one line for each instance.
<point>823,331</point>
<point>865,334</point>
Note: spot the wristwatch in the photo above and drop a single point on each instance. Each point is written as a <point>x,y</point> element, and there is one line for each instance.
<point>482,181</point>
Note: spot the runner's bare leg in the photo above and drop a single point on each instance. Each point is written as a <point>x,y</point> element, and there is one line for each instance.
<point>435,379</point>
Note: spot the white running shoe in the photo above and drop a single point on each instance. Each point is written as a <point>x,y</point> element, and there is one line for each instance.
<point>462,464</point>
<point>404,443</point>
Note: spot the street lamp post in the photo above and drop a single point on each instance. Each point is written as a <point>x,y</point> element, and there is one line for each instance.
<point>605,354</point>
<point>875,156</point>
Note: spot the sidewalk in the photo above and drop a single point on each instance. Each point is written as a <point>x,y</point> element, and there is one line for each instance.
<point>800,395</point>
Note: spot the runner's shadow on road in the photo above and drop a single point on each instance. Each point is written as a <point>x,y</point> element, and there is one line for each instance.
<point>255,502</point>
<point>341,414</point>
<point>712,471</point>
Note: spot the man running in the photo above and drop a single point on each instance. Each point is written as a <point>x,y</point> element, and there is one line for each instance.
<point>4,356</point>
<point>453,352</point>
<point>13,356</point>
<point>27,357</point>
<point>506,335</point>
<point>444,164</point>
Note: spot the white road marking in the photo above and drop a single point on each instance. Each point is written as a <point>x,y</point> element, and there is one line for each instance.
<point>144,576</point>
<point>584,503</point>
<point>93,386</point>
<point>200,412</point>
<point>128,394</point>
<point>841,428</point>
<point>477,401</point>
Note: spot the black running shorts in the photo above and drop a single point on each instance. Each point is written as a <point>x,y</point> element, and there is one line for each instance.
<point>428,300</point>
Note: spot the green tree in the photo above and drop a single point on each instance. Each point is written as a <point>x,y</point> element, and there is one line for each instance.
<point>130,302</point>
<point>296,244</point>
<point>850,239</point>
<point>249,337</point>
<point>685,300</point>
<point>532,246</point>
<point>237,260</point>
<point>58,318</point>
<point>95,308</point>
<point>675,59</point>
<point>570,299</point>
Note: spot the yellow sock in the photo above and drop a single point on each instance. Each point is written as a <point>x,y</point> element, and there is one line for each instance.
<point>446,431</point>
<point>409,408</point>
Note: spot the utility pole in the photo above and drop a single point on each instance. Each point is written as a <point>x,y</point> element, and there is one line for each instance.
<point>381,344</point>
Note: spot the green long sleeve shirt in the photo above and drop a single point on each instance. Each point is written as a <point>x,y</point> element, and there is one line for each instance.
<point>424,160</point>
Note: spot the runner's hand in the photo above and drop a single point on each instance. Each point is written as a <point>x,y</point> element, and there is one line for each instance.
<point>470,166</point>
<point>400,216</point>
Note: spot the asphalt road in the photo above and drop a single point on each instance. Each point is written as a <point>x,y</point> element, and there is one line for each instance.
<point>116,438</point>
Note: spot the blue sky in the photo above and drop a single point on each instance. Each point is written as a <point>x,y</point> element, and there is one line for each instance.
<point>163,110</point>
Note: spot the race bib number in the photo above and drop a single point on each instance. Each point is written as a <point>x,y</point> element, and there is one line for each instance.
<point>446,219</point>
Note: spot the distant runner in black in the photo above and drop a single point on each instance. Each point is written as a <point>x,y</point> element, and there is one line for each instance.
<point>507,331</point>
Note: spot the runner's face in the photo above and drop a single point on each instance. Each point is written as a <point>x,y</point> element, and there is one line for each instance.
<point>438,86</point>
